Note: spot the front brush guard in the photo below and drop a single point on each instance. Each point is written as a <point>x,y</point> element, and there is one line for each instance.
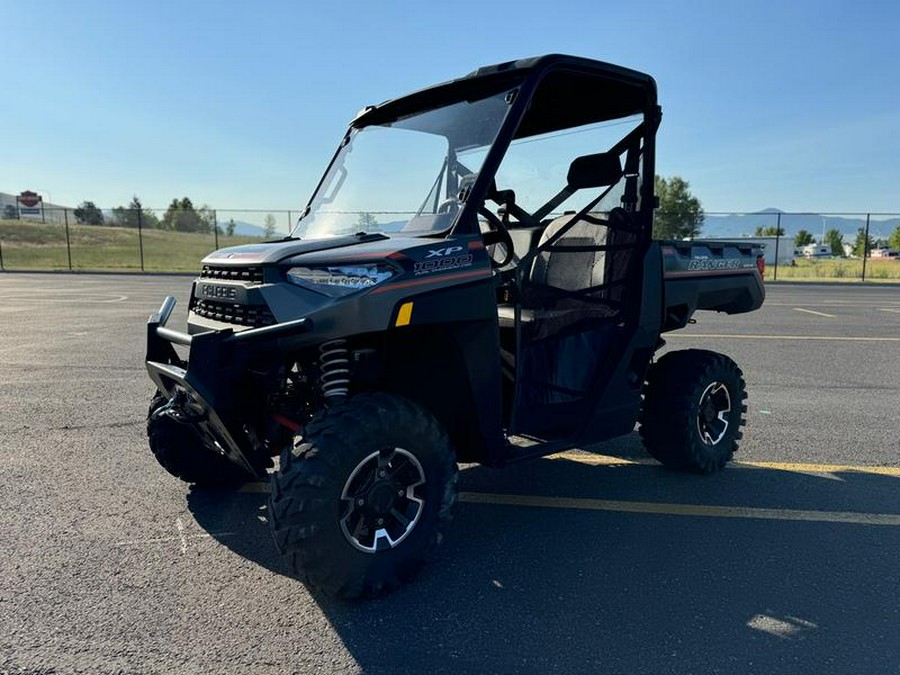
<point>208,377</point>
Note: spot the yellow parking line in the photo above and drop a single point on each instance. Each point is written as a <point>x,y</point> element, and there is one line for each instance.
<point>836,338</point>
<point>701,510</point>
<point>601,460</point>
<point>661,508</point>
<point>606,460</point>
<point>822,468</point>
<point>833,303</point>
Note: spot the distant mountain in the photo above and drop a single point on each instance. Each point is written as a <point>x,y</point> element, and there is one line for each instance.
<point>738,225</point>
<point>243,228</point>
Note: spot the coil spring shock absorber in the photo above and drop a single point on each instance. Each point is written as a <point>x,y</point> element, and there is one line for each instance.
<point>334,370</point>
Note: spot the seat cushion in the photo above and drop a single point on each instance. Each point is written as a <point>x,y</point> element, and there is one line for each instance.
<point>576,270</point>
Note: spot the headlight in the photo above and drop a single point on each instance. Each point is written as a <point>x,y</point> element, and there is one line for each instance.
<point>337,280</point>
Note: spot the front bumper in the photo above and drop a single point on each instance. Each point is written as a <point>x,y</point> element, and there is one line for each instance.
<point>208,376</point>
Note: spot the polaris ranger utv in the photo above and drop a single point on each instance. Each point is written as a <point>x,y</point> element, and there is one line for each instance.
<point>473,280</point>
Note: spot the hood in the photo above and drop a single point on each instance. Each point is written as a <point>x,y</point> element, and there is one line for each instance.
<point>274,251</point>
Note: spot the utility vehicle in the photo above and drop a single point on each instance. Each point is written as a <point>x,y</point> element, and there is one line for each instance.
<point>473,280</point>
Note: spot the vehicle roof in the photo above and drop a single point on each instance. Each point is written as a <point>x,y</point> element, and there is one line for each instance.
<point>622,92</point>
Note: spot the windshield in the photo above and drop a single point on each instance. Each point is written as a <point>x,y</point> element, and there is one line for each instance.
<point>405,175</point>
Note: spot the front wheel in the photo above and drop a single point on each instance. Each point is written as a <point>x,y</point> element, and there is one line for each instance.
<point>180,450</point>
<point>361,500</point>
<point>693,410</point>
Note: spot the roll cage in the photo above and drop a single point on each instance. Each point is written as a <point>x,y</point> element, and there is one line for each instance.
<point>545,94</point>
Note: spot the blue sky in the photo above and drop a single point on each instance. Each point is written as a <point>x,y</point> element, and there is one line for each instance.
<point>794,105</point>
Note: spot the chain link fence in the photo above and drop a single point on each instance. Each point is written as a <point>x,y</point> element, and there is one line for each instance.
<point>131,240</point>
<point>799,246</point>
<point>816,246</point>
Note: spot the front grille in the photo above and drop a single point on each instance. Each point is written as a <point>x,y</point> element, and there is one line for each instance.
<point>242,315</point>
<point>252,274</point>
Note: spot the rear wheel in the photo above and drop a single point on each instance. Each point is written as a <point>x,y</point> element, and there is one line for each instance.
<point>361,500</point>
<point>693,410</point>
<point>180,450</point>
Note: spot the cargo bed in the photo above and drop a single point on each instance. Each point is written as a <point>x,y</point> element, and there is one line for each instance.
<point>706,274</point>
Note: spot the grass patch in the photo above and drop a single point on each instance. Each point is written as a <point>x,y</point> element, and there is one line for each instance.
<point>837,270</point>
<point>42,246</point>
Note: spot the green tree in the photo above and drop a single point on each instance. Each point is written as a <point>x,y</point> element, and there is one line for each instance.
<point>207,217</point>
<point>680,214</point>
<point>127,216</point>
<point>229,229</point>
<point>894,239</point>
<point>181,216</point>
<point>803,238</point>
<point>10,212</point>
<point>87,213</point>
<point>862,245</point>
<point>835,239</point>
<point>366,221</point>
<point>269,226</point>
<point>769,231</point>
<point>168,220</point>
<point>149,219</point>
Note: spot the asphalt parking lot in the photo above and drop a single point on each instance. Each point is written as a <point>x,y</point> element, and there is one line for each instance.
<point>594,561</point>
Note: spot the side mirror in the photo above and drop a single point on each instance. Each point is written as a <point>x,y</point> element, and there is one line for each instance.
<point>594,171</point>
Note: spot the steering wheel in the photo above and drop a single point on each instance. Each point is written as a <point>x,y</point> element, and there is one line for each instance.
<point>497,235</point>
<point>450,205</point>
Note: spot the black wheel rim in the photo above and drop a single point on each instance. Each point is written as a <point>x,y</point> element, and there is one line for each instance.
<point>381,504</point>
<point>712,413</point>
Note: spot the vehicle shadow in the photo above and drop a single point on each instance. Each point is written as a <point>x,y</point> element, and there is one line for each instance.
<point>528,589</point>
